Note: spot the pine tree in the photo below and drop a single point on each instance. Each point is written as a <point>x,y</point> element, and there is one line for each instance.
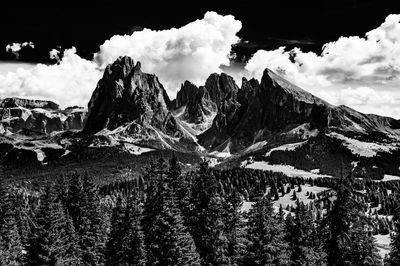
<point>394,255</point>
<point>301,234</point>
<point>168,240</point>
<point>11,246</point>
<point>347,241</point>
<point>92,236</point>
<point>72,253</point>
<point>114,245</point>
<point>84,207</point>
<point>267,245</point>
<point>47,242</point>
<point>134,250</point>
<point>207,219</point>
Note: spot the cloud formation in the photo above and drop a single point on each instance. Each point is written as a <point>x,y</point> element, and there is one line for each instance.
<point>14,48</point>
<point>362,72</point>
<point>191,52</point>
<point>371,62</point>
<point>70,82</point>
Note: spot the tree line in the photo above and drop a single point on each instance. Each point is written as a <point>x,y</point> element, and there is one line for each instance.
<point>167,217</point>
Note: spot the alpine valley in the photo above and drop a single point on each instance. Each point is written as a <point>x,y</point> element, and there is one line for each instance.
<point>268,124</point>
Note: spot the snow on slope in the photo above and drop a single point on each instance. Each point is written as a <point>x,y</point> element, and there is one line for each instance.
<point>383,244</point>
<point>287,200</point>
<point>136,150</point>
<point>256,146</point>
<point>285,169</point>
<point>286,147</point>
<point>388,178</point>
<point>365,149</point>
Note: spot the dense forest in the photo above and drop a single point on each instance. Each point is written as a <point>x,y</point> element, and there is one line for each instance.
<point>167,217</point>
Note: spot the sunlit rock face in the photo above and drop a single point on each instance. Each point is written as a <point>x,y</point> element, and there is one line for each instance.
<point>39,116</point>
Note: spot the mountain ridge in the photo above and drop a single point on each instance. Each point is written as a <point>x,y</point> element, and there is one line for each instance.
<point>130,109</point>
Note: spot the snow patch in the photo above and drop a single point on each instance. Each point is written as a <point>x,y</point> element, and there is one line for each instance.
<point>361,148</point>
<point>285,169</point>
<point>136,150</point>
<point>286,147</point>
<point>383,244</point>
<point>221,154</point>
<point>388,178</point>
<point>40,155</point>
<point>256,146</point>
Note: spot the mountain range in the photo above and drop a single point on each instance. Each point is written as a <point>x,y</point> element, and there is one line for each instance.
<point>268,124</point>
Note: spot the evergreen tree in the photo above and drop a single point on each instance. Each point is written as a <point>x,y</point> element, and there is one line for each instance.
<point>85,209</point>
<point>134,251</point>
<point>394,255</point>
<point>267,245</point>
<point>301,234</point>
<point>115,240</point>
<point>207,219</point>
<point>168,240</point>
<point>72,253</point>
<point>348,242</point>
<point>92,236</point>
<point>47,241</point>
<point>10,246</point>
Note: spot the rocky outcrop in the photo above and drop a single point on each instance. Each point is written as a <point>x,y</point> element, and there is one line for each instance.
<point>197,104</point>
<point>221,87</point>
<point>125,96</point>
<point>18,115</point>
<point>29,104</point>
<point>274,105</point>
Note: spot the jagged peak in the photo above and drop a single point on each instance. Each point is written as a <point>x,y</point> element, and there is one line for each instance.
<point>272,80</point>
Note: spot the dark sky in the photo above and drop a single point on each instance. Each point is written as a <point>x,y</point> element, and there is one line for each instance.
<point>304,24</point>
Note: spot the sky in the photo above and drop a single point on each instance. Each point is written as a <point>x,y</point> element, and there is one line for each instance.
<point>346,53</point>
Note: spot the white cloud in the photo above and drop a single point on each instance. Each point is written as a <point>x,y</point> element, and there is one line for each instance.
<point>191,52</point>
<point>362,72</point>
<point>71,82</point>
<point>14,48</point>
<point>55,54</point>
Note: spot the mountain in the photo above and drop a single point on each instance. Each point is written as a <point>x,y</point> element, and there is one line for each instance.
<point>277,106</point>
<point>42,117</point>
<point>130,105</point>
<point>264,124</point>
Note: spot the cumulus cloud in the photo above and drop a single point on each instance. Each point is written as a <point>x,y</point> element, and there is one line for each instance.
<point>70,82</point>
<point>14,48</point>
<point>362,72</point>
<point>54,54</point>
<point>372,61</point>
<point>191,52</point>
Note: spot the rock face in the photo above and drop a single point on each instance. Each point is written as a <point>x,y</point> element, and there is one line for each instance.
<point>212,102</point>
<point>126,96</point>
<point>197,103</point>
<point>217,119</point>
<point>29,104</point>
<point>18,115</point>
<point>262,111</point>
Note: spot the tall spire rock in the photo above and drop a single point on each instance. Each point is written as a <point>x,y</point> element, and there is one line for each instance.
<point>127,95</point>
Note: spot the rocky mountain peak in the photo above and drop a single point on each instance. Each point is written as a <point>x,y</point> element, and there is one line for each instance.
<point>220,87</point>
<point>186,94</point>
<point>127,95</point>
